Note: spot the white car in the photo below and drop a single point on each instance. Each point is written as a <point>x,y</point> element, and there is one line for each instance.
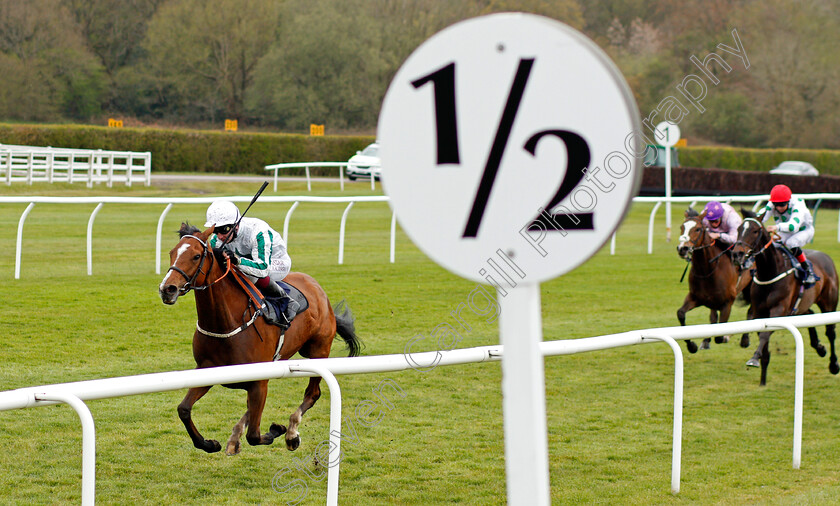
<point>364,162</point>
<point>794,168</point>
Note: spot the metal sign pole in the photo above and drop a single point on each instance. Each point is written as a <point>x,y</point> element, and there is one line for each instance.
<point>668,193</point>
<point>523,391</point>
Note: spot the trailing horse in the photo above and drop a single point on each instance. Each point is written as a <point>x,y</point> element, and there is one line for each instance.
<point>714,281</point>
<point>229,331</point>
<point>776,292</point>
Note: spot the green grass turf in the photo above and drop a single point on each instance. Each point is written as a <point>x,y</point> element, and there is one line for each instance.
<point>609,413</point>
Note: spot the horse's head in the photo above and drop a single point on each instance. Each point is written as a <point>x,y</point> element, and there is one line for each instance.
<point>692,233</point>
<point>752,238</point>
<point>190,259</point>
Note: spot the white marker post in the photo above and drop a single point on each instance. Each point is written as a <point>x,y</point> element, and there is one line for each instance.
<point>502,144</point>
<point>668,134</point>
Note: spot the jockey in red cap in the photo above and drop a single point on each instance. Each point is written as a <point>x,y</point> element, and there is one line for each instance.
<point>793,222</point>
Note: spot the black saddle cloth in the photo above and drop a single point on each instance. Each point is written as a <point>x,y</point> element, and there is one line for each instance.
<point>294,293</point>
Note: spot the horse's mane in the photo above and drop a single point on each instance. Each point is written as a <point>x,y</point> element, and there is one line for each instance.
<point>187,229</point>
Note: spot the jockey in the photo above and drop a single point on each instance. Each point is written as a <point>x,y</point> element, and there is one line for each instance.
<point>793,222</point>
<point>257,249</point>
<point>723,222</point>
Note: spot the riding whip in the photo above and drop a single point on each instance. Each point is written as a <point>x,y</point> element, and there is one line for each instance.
<point>259,192</point>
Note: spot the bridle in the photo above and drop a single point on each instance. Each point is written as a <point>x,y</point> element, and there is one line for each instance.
<point>753,250</point>
<point>190,285</point>
<point>191,280</point>
<point>693,244</point>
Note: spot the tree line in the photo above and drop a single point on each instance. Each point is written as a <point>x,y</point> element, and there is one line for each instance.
<point>283,64</point>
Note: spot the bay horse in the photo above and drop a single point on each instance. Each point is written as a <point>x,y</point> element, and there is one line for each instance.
<point>775,292</point>
<point>222,338</point>
<point>714,281</point>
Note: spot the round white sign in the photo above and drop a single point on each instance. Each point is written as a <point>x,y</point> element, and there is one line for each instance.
<point>667,133</point>
<point>509,148</point>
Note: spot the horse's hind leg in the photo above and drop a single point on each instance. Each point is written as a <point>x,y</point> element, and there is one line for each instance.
<point>185,414</point>
<point>233,447</point>
<point>815,340</point>
<point>832,361</point>
<point>257,393</point>
<point>313,393</point>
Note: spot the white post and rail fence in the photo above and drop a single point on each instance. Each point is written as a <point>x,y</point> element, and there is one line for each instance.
<point>307,165</point>
<point>32,164</point>
<point>76,394</point>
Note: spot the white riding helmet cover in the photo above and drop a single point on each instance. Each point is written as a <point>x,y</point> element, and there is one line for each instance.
<point>222,212</point>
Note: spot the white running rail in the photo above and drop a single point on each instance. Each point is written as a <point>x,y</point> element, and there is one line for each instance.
<point>76,393</point>
<point>657,201</point>
<point>168,202</point>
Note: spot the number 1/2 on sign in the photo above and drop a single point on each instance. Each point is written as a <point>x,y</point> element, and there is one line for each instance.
<point>446,124</point>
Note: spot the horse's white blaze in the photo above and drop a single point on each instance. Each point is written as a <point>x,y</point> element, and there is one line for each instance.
<point>684,238</point>
<point>181,250</point>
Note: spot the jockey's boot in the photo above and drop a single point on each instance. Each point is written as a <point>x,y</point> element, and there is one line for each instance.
<point>274,291</point>
<point>810,275</point>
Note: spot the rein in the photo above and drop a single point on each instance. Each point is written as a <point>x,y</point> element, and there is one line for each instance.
<point>752,254</point>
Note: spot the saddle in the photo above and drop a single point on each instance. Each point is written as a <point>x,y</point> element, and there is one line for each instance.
<point>800,273</point>
<point>279,305</point>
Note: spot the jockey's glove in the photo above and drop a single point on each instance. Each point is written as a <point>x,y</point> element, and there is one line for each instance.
<point>226,251</point>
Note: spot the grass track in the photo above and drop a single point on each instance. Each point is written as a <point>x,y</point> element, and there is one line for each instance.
<point>609,413</point>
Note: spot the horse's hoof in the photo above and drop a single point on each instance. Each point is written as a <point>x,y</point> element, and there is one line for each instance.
<point>705,345</point>
<point>692,348</point>
<point>233,449</point>
<point>821,351</point>
<point>745,341</point>
<point>721,339</point>
<point>753,363</point>
<point>277,430</point>
<point>293,444</point>
<point>212,446</point>
<point>834,368</point>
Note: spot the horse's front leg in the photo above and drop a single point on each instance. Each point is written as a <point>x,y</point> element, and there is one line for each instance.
<point>310,397</point>
<point>713,318</point>
<point>725,311</point>
<point>761,357</point>
<point>185,414</point>
<point>256,403</point>
<point>688,304</point>
<point>745,337</point>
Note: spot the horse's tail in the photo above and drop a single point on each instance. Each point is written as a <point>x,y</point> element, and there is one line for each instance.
<point>345,325</point>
